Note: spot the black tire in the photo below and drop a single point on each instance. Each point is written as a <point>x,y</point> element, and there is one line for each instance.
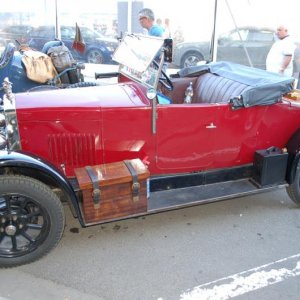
<point>31,220</point>
<point>95,56</point>
<point>293,189</point>
<point>191,59</point>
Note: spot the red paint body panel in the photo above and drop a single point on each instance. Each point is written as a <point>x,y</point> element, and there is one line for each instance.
<point>79,127</point>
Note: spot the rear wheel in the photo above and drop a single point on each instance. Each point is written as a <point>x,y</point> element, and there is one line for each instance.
<point>31,220</point>
<point>293,189</point>
<point>95,56</point>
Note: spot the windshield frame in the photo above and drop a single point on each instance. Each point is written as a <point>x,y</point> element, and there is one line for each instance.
<point>135,56</point>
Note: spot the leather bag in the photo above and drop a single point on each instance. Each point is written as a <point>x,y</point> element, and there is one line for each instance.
<point>61,57</point>
<point>39,66</point>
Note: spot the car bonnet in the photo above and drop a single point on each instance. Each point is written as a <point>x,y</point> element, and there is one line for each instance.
<point>116,95</point>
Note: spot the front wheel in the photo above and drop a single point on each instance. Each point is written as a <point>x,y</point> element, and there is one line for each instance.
<point>31,220</point>
<point>293,189</point>
<point>191,59</point>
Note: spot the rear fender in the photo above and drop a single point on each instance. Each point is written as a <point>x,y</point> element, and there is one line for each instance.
<point>33,166</point>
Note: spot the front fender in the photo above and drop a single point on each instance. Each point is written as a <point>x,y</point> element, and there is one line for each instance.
<point>25,163</point>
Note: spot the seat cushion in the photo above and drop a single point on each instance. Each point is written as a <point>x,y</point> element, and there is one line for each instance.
<point>211,88</point>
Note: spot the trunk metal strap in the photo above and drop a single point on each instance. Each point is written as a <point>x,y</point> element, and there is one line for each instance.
<point>135,183</point>
<point>96,188</point>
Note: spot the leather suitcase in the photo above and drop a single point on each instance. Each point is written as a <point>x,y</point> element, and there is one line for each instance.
<point>270,166</point>
<point>114,190</point>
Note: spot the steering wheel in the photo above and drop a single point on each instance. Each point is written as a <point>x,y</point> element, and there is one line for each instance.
<point>164,79</point>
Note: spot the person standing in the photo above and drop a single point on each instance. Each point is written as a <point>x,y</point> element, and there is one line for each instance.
<point>146,18</point>
<point>280,57</point>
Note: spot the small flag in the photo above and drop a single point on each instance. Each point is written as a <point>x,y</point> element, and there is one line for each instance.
<point>78,43</point>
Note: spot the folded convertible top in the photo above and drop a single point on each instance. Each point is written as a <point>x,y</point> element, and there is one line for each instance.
<point>265,88</point>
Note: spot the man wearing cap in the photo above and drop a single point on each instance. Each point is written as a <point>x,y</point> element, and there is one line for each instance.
<point>146,18</point>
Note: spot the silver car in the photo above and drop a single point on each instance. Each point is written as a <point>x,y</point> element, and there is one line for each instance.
<point>244,45</point>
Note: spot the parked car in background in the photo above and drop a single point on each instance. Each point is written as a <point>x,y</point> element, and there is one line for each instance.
<point>17,34</point>
<point>98,48</point>
<point>232,46</point>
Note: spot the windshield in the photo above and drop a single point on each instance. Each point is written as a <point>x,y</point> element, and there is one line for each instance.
<point>135,55</point>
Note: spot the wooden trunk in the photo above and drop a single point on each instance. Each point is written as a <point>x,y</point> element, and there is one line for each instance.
<point>116,198</point>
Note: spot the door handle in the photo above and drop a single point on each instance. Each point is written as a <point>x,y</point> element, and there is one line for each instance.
<point>211,126</point>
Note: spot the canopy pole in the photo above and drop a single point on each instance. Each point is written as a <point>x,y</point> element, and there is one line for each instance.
<point>236,27</point>
<point>214,39</point>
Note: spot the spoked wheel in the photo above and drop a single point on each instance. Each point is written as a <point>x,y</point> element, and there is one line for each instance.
<point>31,220</point>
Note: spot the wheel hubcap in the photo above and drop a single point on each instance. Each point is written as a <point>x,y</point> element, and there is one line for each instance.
<point>10,230</point>
<point>23,225</point>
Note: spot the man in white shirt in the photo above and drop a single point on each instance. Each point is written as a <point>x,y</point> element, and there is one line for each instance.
<point>280,56</point>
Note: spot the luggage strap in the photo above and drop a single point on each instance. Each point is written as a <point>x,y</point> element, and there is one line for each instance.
<point>135,183</point>
<point>96,188</point>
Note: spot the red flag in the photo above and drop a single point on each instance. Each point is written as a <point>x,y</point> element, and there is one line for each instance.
<point>78,43</point>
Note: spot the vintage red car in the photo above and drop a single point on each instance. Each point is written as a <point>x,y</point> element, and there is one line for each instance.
<point>133,148</point>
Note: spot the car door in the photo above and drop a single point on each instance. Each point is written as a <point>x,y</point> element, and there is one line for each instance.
<point>185,136</point>
<point>237,135</point>
<point>206,136</point>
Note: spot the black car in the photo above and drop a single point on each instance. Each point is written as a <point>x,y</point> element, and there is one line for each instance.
<point>98,48</point>
<point>242,45</point>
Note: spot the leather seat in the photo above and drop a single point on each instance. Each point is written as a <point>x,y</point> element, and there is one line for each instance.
<point>208,88</point>
<point>180,85</point>
<point>211,88</point>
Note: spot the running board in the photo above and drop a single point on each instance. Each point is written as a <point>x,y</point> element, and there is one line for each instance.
<point>190,196</point>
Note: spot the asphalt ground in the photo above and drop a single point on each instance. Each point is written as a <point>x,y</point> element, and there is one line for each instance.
<point>243,248</point>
